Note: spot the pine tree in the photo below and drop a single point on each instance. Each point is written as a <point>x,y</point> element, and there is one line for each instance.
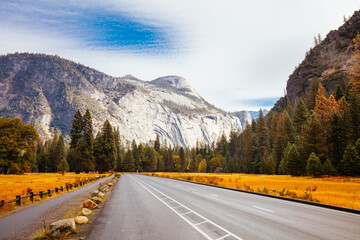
<point>312,139</point>
<point>157,144</point>
<point>60,153</point>
<point>329,169</point>
<point>76,130</point>
<point>87,143</point>
<point>262,141</point>
<point>314,167</point>
<point>182,159</point>
<point>285,134</point>
<point>350,164</point>
<point>283,166</point>
<point>105,149</point>
<point>119,150</point>
<point>128,163</point>
<point>136,155</point>
<point>53,155</point>
<point>267,165</point>
<point>301,115</point>
<point>63,166</point>
<point>296,165</point>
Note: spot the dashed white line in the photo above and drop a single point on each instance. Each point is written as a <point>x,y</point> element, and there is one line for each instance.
<point>189,211</point>
<point>264,209</point>
<point>223,236</point>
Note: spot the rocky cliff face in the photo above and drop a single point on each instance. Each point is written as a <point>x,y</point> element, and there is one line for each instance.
<point>328,61</point>
<point>46,91</point>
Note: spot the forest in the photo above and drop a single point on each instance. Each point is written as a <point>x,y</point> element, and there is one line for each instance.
<point>318,135</point>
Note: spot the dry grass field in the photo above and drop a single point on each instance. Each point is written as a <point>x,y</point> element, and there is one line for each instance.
<point>12,185</point>
<point>338,191</point>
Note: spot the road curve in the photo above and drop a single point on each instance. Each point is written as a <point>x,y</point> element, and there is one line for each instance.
<point>144,207</point>
<point>17,223</point>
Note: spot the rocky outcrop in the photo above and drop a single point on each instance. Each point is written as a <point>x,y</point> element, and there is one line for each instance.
<point>328,61</point>
<point>46,91</point>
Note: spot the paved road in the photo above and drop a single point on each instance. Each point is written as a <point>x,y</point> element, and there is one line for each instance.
<point>17,223</point>
<point>144,207</point>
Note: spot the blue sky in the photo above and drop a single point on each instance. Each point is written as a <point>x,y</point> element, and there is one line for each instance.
<point>237,54</point>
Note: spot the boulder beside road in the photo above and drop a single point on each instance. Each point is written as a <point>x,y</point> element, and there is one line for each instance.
<point>61,228</point>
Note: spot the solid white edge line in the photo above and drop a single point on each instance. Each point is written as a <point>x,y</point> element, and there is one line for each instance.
<point>216,225</point>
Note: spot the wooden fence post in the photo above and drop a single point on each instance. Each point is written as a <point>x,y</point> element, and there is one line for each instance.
<point>2,203</point>
<point>32,197</point>
<point>41,194</point>
<point>49,192</point>
<point>62,189</point>
<point>18,200</point>
<point>56,190</point>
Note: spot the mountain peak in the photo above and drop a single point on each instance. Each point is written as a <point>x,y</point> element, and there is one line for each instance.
<point>172,81</point>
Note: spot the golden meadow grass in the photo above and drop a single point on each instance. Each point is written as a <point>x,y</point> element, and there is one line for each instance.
<point>338,191</point>
<point>12,185</point>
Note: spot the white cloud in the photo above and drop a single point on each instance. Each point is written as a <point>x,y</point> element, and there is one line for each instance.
<point>229,50</point>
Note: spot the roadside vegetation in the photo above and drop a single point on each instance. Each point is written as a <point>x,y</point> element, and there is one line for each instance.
<point>12,185</point>
<point>337,191</point>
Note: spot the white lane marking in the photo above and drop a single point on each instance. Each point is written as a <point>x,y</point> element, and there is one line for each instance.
<point>196,224</point>
<point>183,217</point>
<point>214,195</point>
<point>186,213</point>
<point>264,209</point>
<point>223,237</point>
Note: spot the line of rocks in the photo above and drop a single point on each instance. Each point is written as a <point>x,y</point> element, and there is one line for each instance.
<point>63,228</point>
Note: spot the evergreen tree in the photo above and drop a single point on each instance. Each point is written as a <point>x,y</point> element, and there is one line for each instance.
<point>63,166</point>
<point>136,155</point>
<point>128,163</point>
<point>262,141</point>
<point>329,169</point>
<point>60,153</point>
<point>105,149</point>
<point>75,157</point>
<point>301,115</point>
<point>87,144</point>
<point>296,165</point>
<point>312,139</point>
<point>283,166</point>
<point>53,156</point>
<point>285,134</point>
<point>267,165</point>
<point>76,130</point>
<point>182,159</point>
<point>350,164</point>
<point>314,167</point>
<point>157,144</point>
<point>119,150</point>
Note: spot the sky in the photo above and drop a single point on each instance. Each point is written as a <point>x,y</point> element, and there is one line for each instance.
<point>237,54</point>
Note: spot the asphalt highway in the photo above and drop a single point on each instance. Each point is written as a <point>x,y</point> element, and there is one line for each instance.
<point>144,207</point>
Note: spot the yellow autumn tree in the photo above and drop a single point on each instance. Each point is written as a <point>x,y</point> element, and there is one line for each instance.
<point>325,108</point>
